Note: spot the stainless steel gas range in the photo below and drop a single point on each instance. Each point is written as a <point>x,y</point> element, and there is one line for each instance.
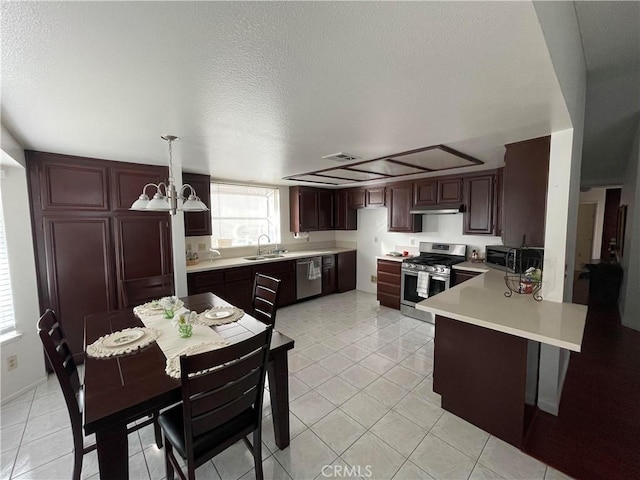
<point>428,274</point>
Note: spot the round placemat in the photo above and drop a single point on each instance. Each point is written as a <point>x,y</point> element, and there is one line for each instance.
<point>235,315</point>
<point>99,349</point>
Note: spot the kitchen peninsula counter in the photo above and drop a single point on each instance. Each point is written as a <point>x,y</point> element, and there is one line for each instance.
<point>481,301</point>
<point>497,359</point>
<point>220,263</point>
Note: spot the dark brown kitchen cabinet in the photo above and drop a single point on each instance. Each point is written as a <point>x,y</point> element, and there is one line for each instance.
<point>197,224</point>
<point>328,274</point>
<point>375,197</point>
<point>526,175</point>
<point>459,276</point>
<point>239,287</point>
<point>346,271</point>
<point>480,205</point>
<point>356,198</point>
<point>450,190</point>
<point>285,271</point>
<point>128,180</point>
<point>208,281</point>
<point>325,209</point>
<point>142,246</point>
<point>86,239</point>
<point>400,200</point>
<point>425,192</point>
<point>388,284</point>
<point>345,218</point>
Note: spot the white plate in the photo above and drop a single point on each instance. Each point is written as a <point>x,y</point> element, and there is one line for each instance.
<point>217,314</point>
<point>122,338</point>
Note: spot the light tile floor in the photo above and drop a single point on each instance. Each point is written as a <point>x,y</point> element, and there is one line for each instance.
<point>362,405</point>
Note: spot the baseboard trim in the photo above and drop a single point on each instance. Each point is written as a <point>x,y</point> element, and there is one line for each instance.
<point>23,391</point>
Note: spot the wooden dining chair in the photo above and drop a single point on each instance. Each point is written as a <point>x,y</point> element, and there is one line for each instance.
<point>142,290</point>
<point>266,291</point>
<point>61,359</point>
<point>222,393</point>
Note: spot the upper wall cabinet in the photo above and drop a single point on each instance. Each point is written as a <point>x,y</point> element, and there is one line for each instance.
<point>425,192</point>
<point>450,190</point>
<point>526,175</point>
<point>480,205</point>
<point>198,224</point>
<point>345,218</point>
<point>375,197</point>
<point>356,198</point>
<point>127,182</point>
<point>68,184</point>
<point>399,200</point>
<point>310,209</point>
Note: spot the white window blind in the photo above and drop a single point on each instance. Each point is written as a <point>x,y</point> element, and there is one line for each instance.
<point>7,322</point>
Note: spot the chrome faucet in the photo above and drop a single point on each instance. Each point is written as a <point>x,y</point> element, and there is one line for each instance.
<point>268,240</point>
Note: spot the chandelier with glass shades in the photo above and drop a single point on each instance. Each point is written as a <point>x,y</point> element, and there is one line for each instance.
<point>167,198</point>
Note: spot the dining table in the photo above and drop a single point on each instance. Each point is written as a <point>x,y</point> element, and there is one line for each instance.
<point>122,389</point>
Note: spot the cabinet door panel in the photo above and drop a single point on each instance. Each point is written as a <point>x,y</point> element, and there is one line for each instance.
<point>325,210</point>
<point>128,181</point>
<point>345,217</point>
<point>197,224</point>
<point>239,293</point>
<point>450,190</point>
<point>479,200</point>
<point>79,270</point>
<point>355,198</point>
<point>143,246</point>
<point>425,193</point>
<point>399,205</point>
<point>375,197</point>
<point>346,271</point>
<point>73,187</point>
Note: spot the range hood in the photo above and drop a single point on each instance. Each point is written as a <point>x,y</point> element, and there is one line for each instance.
<point>437,210</point>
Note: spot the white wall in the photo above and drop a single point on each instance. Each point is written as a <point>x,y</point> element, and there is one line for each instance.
<point>597,196</point>
<point>562,34</point>
<point>27,348</point>
<point>629,304</point>
<point>373,240</point>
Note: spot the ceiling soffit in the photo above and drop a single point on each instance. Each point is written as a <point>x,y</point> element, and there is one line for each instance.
<point>436,158</point>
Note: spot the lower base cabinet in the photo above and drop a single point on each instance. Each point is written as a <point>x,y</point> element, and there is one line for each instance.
<point>460,276</point>
<point>346,271</point>
<point>388,285</point>
<point>328,274</point>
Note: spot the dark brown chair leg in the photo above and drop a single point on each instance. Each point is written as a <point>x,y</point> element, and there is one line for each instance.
<point>168,449</point>
<point>78,454</point>
<point>257,453</point>
<point>157,430</point>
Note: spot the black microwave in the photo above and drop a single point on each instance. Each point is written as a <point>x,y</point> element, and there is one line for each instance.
<point>516,260</point>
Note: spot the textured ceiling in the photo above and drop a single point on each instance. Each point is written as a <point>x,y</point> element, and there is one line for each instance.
<point>261,90</point>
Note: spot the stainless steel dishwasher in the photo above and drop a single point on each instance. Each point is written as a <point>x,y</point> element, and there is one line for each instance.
<point>308,277</point>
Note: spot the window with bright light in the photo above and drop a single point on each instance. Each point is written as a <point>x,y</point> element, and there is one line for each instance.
<point>7,322</point>
<point>241,213</point>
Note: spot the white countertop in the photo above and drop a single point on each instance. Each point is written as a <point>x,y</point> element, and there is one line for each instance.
<point>392,258</point>
<point>220,263</point>
<point>481,301</point>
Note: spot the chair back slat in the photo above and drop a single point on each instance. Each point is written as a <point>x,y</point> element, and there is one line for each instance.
<point>266,291</point>
<point>218,397</point>
<point>212,396</point>
<point>224,375</point>
<point>61,359</point>
<point>214,418</point>
<point>142,290</point>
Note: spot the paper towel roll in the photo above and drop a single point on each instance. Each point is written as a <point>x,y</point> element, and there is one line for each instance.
<point>301,235</point>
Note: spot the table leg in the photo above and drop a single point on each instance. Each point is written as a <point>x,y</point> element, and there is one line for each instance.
<point>278,370</point>
<point>112,447</point>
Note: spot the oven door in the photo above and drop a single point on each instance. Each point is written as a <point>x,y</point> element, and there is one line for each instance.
<point>409,283</point>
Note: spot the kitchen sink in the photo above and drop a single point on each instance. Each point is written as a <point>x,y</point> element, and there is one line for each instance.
<point>263,257</point>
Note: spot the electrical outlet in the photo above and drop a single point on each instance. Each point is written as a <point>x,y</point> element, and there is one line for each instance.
<point>202,247</point>
<point>12,362</point>
<point>374,279</point>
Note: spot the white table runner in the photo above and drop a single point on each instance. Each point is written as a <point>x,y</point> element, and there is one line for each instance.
<point>169,339</point>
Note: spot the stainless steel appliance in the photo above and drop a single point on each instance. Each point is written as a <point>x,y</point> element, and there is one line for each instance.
<point>435,259</point>
<point>308,277</point>
<point>512,259</point>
